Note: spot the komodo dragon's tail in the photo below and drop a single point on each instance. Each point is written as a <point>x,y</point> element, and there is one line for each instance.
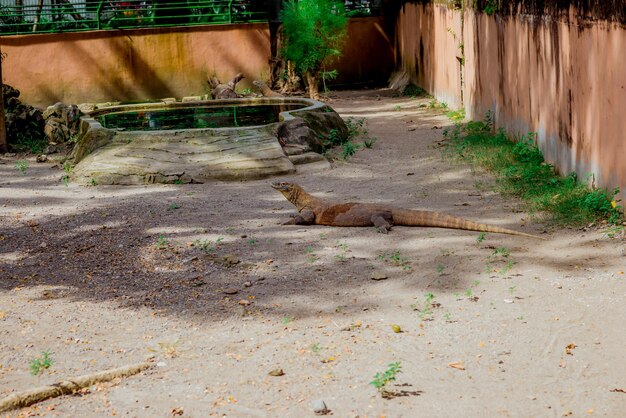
<point>406,217</point>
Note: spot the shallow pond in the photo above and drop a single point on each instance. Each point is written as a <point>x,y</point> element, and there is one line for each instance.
<point>195,117</point>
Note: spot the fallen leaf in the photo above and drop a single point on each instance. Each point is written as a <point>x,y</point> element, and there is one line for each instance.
<point>396,328</point>
<point>177,411</point>
<point>277,372</point>
<point>569,348</point>
<point>618,390</point>
<point>457,365</point>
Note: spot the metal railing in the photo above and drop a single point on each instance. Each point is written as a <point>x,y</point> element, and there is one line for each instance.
<point>46,16</point>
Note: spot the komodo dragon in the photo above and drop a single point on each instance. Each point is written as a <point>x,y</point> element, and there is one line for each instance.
<point>313,210</point>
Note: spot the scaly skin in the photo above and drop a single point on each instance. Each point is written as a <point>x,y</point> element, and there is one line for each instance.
<point>313,210</point>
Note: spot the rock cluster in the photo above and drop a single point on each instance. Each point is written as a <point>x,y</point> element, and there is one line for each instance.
<point>24,123</point>
<point>29,129</point>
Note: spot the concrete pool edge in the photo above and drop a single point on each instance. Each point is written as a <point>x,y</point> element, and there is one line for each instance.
<point>195,155</point>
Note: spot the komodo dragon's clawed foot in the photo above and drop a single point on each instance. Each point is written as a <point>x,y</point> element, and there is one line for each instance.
<point>304,218</point>
<point>382,222</point>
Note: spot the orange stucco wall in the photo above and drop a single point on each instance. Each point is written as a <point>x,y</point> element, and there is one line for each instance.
<point>146,64</point>
<point>558,76</point>
<point>132,64</point>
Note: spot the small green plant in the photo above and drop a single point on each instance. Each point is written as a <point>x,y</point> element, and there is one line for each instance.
<point>340,257</point>
<point>501,251</point>
<point>481,237</point>
<point>206,245</point>
<point>253,241</point>
<point>356,127</point>
<point>491,7</point>
<point>68,167</point>
<point>335,138</point>
<point>178,181</point>
<point>447,316</point>
<point>286,320</point>
<point>173,206</point>
<point>22,166</point>
<point>613,231</point>
<point>469,292</point>
<point>396,259</point>
<point>40,363</point>
<point>413,91</point>
<point>161,243</point>
<point>381,380</point>
<point>440,268</point>
<point>312,258</point>
<point>397,108</point>
<point>348,149</point>
<point>93,182</point>
<point>456,115</point>
<point>425,309</point>
<point>369,142</point>
<point>316,348</point>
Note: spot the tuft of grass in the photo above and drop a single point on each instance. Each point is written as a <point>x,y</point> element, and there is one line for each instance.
<point>521,171</point>
<point>206,245</point>
<point>162,243</point>
<point>22,166</point>
<point>348,145</point>
<point>40,363</point>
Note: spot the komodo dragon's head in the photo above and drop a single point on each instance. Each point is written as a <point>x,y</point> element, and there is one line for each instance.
<point>292,192</point>
<point>284,187</point>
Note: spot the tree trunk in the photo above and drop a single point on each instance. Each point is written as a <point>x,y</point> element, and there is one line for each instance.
<point>37,15</point>
<point>4,147</point>
<point>311,85</point>
<point>19,9</point>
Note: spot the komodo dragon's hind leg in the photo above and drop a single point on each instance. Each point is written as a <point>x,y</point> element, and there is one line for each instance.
<point>382,222</point>
<point>306,217</point>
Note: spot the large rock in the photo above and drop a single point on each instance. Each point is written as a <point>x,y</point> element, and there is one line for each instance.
<point>62,122</point>
<point>313,130</point>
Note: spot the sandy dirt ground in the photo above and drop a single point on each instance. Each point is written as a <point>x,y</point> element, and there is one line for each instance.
<point>507,326</point>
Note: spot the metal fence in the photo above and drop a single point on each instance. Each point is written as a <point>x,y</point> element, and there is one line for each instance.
<point>44,16</point>
<point>41,16</point>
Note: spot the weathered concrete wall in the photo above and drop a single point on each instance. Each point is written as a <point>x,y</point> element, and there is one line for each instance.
<point>146,64</point>
<point>368,55</point>
<point>562,76</point>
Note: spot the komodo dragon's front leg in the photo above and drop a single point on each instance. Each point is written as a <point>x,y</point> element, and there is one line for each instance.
<point>306,217</point>
<point>382,222</point>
